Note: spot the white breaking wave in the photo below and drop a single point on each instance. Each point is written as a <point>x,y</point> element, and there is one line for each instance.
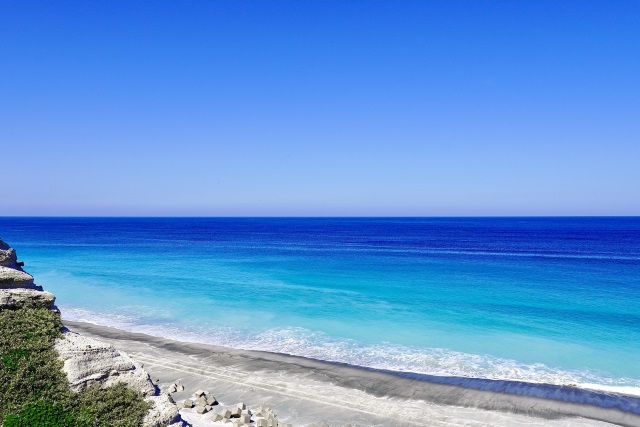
<point>438,362</point>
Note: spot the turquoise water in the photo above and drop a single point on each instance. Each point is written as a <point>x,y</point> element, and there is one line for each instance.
<point>553,300</point>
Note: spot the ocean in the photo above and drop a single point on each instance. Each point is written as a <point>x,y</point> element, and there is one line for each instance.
<point>544,300</point>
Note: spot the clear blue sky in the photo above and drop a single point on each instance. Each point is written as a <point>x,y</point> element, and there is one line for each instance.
<point>320,107</point>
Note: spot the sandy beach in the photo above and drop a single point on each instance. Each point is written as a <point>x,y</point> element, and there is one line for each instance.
<point>304,391</point>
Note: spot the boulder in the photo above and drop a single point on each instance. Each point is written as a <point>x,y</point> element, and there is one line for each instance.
<point>18,298</point>
<point>199,393</point>
<point>88,361</point>
<point>8,257</point>
<point>162,413</point>
<point>201,409</point>
<point>13,278</point>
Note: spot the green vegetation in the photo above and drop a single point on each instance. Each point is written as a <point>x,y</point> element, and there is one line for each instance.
<point>114,406</point>
<point>34,390</point>
<point>48,414</point>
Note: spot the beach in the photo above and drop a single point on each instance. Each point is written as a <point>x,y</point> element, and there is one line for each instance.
<point>304,391</point>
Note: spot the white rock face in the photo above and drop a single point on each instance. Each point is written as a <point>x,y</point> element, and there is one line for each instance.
<point>13,278</point>
<point>11,273</point>
<point>88,361</point>
<point>16,286</point>
<point>8,256</point>
<point>19,297</point>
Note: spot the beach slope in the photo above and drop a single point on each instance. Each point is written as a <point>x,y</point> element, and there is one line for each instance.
<point>305,391</point>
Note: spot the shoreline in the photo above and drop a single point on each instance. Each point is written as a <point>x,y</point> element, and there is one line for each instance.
<point>309,390</point>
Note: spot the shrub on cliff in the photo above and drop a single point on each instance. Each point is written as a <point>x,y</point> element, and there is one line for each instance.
<point>29,368</point>
<point>34,389</point>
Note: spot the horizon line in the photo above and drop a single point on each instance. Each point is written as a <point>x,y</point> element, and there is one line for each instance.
<point>319,216</point>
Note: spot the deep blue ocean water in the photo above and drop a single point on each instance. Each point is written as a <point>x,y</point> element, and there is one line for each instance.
<point>553,300</point>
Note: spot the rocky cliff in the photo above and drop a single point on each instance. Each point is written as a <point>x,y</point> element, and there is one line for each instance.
<point>86,361</point>
<point>17,288</point>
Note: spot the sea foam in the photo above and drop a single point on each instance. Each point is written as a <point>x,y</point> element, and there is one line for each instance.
<point>432,364</point>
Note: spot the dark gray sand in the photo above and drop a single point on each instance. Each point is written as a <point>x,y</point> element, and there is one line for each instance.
<point>303,390</point>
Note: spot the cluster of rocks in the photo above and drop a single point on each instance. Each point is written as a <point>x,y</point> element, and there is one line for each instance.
<point>238,415</point>
<point>201,401</point>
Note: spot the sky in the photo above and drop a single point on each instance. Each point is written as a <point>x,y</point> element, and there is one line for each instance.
<point>320,108</point>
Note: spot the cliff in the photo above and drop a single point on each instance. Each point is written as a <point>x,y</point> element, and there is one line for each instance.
<point>86,361</point>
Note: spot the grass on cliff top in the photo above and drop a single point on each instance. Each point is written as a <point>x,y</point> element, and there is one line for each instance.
<point>34,390</point>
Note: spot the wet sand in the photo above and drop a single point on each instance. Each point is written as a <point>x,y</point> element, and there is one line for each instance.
<point>304,391</point>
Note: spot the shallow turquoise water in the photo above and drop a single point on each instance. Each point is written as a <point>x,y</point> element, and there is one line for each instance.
<point>552,300</point>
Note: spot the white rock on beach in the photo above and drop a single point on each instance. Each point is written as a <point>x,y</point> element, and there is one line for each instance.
<point>201,409</point>
<point>88,361</point>
<point>162,412</point>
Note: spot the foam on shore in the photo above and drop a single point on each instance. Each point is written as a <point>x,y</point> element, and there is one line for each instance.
<point>435,364</point>
<point>540,400</point>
